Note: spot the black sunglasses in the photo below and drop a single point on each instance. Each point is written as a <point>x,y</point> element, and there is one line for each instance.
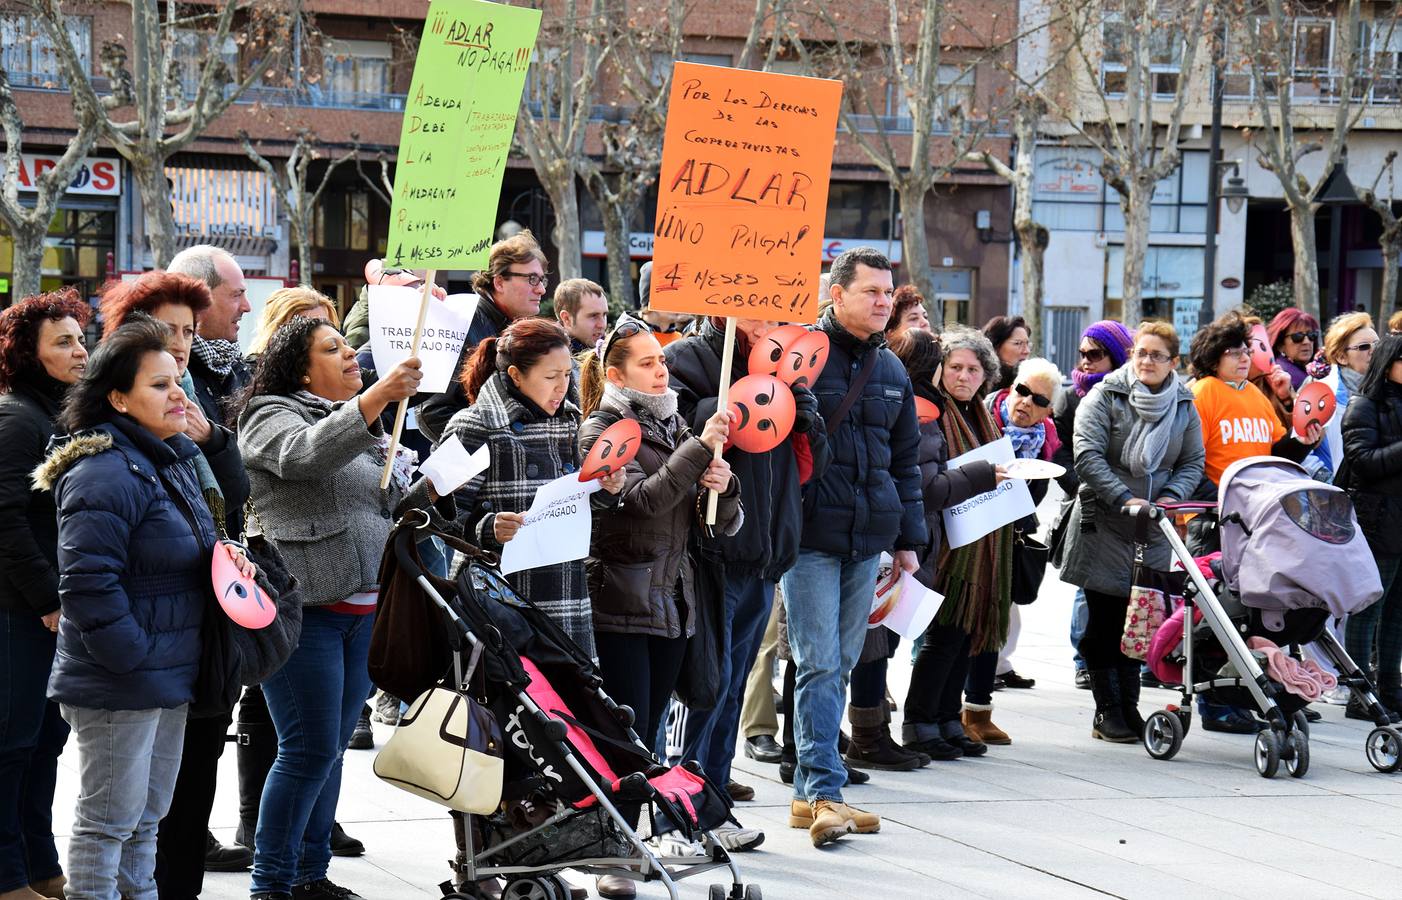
<point>1299,337</point>
<point>625,329</point>
<point>1037,399</point>
<point>1093,355</point>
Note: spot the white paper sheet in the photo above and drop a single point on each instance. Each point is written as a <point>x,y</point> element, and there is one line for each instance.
<point>451,466</point>
<point>556,528</point>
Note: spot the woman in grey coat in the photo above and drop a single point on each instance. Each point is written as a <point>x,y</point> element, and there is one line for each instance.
<point>1138,440</point>
<point>315,449</point>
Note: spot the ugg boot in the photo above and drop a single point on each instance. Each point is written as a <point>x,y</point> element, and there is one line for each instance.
<point>1129,698</point>
<point>871,746</point>
<point>257,748</point>
<point>978,725</point>
<point>1109,723</point>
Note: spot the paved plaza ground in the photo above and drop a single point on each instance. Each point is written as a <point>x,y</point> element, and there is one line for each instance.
<point>1054,815</point>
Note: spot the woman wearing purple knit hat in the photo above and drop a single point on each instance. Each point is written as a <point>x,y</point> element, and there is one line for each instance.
<point>1105,347</point>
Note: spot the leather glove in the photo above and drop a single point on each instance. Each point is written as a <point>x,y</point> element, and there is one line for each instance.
<point>806,409</point>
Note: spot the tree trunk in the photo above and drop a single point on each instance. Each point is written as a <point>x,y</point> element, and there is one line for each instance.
<point>304,258</point>
<point>564,199</point>
<point>1392,250</point>
<point>1136,212</point>
<point>914,247</point>
<point>28,260</point>
<point>159,215</point>
<point>1306,260</point>
<point>620,258</point>
<point>1032,241</point>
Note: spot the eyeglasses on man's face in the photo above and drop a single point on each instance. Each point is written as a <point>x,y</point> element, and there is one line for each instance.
<point>532,278</point>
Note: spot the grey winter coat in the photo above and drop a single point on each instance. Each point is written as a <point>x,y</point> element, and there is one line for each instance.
<point>314,468</point>
<point>1099,539</point>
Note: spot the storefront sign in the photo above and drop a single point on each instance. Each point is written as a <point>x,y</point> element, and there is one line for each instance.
<point>233,208</point>
<point>640,246</point>
<point>96,177</point>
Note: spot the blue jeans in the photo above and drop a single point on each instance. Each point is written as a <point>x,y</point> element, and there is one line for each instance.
<point>32,734</point>
<point>827,600</point>
<point>711,734</point>
<point>1080,615</point>
<point>127,763</point>
<point>314,701</point>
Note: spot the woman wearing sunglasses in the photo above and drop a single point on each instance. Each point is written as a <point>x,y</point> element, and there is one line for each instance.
<point>1294,337</point>
<point>1105,347</point>
<point>1348,348</point>
<point>1138,440</point>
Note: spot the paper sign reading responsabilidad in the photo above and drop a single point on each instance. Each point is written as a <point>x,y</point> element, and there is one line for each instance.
<point>977,516</point>
<point>555,529</point>
<point>393,313</point>
<point>743,193</point>
<point>459,118</point>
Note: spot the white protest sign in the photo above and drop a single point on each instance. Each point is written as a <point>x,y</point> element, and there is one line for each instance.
<point>451,466</point>
<point>977,516</point>
<point>464,305</point>
<point>556,527</point>
<point>394,311</point>
<point>902,603</point>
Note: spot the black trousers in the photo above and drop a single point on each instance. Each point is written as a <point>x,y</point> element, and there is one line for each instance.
<point>937,681</point>
<point>180,841</point>
<point>1100,645</point>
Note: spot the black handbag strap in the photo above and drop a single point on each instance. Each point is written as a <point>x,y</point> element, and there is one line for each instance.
<point>855,391</point>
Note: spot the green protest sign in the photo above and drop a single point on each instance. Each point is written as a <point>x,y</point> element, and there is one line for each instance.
<point>458,121</point>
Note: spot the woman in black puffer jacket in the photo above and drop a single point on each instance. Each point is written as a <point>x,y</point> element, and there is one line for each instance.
<point>1372,436</point>
<point>135,540</point>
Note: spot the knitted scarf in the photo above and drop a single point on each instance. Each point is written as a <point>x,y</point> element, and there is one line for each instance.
<point>209,485</point>
<point>1027,442</point>
<point>1153,425</point>
<point>218,356</point>
<point>976,579</point>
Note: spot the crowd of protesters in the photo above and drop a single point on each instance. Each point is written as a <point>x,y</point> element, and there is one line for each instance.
<point>123,470</point>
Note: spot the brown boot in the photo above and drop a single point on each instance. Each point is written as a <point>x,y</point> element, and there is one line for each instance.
<point>831,820</point>
<point>871,746</point>
<point>801,816</point>
<point>978,725</point>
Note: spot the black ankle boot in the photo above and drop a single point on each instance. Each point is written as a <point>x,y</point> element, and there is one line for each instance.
<point>928,739</point>
<point>954,733</point>
<point>871,746</point>
<point>1129,698</point>
<point>1109,724</point>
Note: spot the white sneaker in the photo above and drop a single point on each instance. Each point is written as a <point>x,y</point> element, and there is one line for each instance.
<point>1337,697</point>
<point>737,839</point>
<point>671,845</point>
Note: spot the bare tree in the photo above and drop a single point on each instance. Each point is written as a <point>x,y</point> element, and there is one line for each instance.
<point>29,225</point>
<point>1390,241</point>
<point>899,47</point>
<point>295,194</point>
<point>1129,53</point>
<point>555,111</point>
<point>1032,236</point>
<point>164,120</point>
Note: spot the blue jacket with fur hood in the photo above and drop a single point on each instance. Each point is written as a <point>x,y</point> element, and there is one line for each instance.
<point>134,546</point>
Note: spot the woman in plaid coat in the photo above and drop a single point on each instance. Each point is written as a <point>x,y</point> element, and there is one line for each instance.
<point>517,384</point>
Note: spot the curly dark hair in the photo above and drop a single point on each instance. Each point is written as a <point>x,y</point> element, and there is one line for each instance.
<point>906,296</point>
<point>285,361</point>
<point>148,293</point>
<point>112,367</point>
<point>1213,340</point>
<point>19,332</point>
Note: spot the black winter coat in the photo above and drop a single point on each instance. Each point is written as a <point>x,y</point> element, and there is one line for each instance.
<point>869,500</point>
<point>638,564</point>
<point>942,487</point>
<point>28,520</point>
<point>433,414</point>
<point>215,396</point>
<point>768,541</point>
<point>135,539</point>
<point>1372,434</point>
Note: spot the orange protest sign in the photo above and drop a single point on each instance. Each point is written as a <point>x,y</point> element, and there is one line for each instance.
<point>743,193</point>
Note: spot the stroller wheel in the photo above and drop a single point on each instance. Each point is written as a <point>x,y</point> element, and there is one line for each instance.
<point>1384,748</point>
<point>1299,761</point>
<point>1163,734</point>
<point>1267,754</point>
<point>752,892</point>
<point>716,892</point>
<point>1302,723</point>
<point>533,889</point>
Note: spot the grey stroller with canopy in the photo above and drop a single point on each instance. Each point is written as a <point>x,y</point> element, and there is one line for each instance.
<point>1293,558</point>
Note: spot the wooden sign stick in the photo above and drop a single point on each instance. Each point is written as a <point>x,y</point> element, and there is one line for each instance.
<point>404,404</point>
<point>727,357</point>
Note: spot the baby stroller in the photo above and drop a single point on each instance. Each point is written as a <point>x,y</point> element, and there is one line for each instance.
<point>571,757</point>
<point>1293,557</point>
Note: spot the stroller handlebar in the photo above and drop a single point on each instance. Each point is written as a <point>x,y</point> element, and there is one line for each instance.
<point>1156,511</point>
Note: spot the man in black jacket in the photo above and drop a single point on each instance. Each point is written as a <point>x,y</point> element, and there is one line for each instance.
<point>510,288</point>
<point>868,501</point>
<point>766,545</point>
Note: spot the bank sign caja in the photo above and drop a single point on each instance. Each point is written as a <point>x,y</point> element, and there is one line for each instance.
<point>95,177</point>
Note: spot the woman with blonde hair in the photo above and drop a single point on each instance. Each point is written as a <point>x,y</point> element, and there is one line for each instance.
<point>285,304</point>
<point>1348,348</point>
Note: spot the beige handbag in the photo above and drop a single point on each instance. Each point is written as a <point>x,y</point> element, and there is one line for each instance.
<point>447,748</point>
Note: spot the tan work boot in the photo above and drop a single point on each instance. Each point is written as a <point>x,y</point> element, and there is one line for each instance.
<point>978,725</point>
<point>801,816</point>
